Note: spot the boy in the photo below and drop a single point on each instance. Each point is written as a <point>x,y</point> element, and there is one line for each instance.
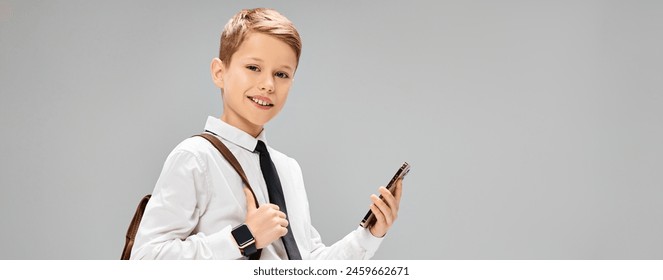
<point>199,208</point>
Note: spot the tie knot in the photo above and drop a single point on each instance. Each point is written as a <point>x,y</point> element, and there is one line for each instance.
<point>261,148</point>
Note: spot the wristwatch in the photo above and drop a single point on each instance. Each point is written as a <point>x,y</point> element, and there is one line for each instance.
<point>245,240</point>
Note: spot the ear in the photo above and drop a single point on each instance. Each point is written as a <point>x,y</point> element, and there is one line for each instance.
<point>217,69</point>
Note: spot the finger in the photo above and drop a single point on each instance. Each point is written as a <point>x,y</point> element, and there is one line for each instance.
<point>386,196</point>
<point>378,214</point>
<point>272,206</point>
<point>250,201</point>
<point>383,207</point>
<point>399,190</point>
<point>284,222</point>
<point>389,198</point>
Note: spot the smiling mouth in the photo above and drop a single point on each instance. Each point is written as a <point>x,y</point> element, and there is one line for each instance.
<point>260,102</point>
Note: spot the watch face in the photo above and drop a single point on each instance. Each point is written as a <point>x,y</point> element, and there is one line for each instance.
<point>242,235</point>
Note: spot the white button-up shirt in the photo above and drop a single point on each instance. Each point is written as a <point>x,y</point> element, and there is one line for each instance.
<point>199,198</point>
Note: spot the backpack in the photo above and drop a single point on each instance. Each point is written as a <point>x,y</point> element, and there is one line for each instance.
<point>138,215</point>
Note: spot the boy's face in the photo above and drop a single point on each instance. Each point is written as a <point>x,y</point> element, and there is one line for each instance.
<point>256,82</point>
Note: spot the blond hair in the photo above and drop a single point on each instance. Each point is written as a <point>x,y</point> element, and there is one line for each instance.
<point>262,20</point>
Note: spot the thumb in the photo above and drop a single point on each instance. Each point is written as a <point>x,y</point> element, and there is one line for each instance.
<point>250,201</point>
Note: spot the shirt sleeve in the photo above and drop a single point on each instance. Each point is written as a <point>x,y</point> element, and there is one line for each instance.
<point>168,227</point>
<point>359,244</point>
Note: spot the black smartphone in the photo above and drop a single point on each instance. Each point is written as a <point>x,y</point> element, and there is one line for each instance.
<point>370,219</point>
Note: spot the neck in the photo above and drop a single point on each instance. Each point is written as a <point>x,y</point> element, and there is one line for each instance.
<point>242,124</point>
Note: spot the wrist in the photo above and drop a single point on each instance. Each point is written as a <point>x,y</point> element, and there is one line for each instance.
<point>377,233</point>
<point>246,243</point>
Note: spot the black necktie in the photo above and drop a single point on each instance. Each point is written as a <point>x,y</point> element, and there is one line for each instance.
<point>276,197</point>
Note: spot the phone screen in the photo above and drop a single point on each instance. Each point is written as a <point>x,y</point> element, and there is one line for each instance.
<point>369,219</point>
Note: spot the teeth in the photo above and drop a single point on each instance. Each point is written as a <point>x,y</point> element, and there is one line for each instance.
<point>263,103</point>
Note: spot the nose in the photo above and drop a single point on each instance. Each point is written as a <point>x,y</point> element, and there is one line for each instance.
<point>267,84</point>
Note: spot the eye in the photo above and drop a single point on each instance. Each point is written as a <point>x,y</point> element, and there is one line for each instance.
<point>282,75</point>
<point>253,68</point>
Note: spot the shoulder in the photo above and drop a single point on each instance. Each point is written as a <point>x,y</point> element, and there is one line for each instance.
<point>195,145</point>
<point>277,155</point>
<point>193,149</point>
<point>280,158</point>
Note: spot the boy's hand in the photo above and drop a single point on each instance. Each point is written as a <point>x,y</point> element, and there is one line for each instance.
<point>386,209</point>
<point>267,223</point>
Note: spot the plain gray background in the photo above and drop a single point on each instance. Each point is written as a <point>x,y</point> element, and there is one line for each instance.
<point>534,128</point>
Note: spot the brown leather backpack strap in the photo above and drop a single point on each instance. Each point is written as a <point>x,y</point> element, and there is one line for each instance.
<point>133,227</point>
<point>231,159</point>
<point>238,167</point>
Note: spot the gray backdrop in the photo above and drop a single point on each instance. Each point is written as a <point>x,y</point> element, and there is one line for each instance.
<point>533,127</point>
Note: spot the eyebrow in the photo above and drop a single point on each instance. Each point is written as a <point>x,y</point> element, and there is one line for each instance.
<point>260,60</point>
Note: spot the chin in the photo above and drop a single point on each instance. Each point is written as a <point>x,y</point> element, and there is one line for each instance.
<point>261,121</point>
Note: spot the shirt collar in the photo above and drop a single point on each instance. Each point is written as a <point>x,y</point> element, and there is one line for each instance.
<point>233,134</point>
